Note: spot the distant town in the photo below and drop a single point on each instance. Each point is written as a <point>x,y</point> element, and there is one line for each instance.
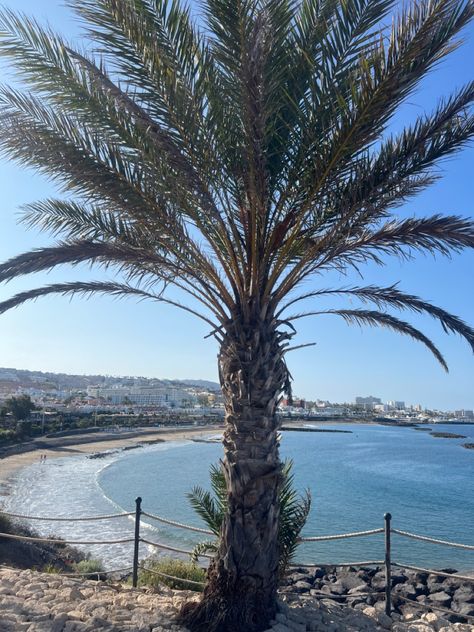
<point>60,394</point>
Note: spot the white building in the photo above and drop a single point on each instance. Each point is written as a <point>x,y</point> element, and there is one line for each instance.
<point>158,396</point>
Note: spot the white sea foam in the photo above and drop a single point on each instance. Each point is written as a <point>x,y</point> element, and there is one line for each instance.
<point>68,487</point>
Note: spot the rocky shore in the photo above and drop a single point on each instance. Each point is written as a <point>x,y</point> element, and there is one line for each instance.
<point>38,602</point>
<point>412,592</point>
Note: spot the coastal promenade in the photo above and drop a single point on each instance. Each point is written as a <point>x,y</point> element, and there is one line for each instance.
<point>38,602</point>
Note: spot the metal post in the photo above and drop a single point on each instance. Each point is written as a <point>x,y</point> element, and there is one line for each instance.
<point>138,512</point>
<point>388,569</point>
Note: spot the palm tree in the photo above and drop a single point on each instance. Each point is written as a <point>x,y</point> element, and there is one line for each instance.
<point>230,159</point>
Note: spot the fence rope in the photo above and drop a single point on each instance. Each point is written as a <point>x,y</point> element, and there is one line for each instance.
<point>178,579</point>
<point>94,573</point>
<point>432,572</point>
<point>341,536</point>
<point>84,519</point>
<point>425,538</point>
<point>343,565</point>
<point>26,538</point>
<point>332,596</point>
<point>180,525</point>
<point>433,607</point>
<point>171,548</point>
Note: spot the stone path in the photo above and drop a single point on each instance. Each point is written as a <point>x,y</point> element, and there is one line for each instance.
<point>39,602</point>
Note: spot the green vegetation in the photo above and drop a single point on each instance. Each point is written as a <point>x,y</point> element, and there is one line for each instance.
<point>20,407</point>
<point>294,511</point>
<point>174,568</point>
<point>91,568</point>
<point>227,166</point>
<point>42,556</point>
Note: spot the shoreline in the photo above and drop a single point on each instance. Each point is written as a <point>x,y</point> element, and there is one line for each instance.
<point>21,456</point>
<point>16,457</point>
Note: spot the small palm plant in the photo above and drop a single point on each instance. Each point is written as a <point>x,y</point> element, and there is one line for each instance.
<point>294,511</point>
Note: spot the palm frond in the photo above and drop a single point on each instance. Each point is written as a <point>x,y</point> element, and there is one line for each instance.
<point>118,290</point>
<point>381,319</point>
<point>205,506</point>
<point>442,234</point>
<point>235,157</point>
<point>392,297</point>
<point>294,512</point>
<point>202,548</point>
<point>219,487</point>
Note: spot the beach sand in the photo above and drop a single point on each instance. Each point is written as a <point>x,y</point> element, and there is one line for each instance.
<point>20,456</point>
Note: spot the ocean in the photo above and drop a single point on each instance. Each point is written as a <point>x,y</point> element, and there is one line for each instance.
<point>426,483</point>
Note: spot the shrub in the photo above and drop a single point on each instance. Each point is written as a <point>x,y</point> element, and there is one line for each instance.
<point>6,525</point>
<point>175,568</point>
<point>7,435</point>
<point>92,569</point>
<point>51,569</point>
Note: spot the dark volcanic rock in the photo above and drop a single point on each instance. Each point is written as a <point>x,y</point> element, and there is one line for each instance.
<point>319,573</point>
<point>434,583</point>
<point>406,590</point>
<point>464,594</point>
<point>350,581</point>
<point>440,598</point>
<point>336,588</point>
<point>398,578</point>
<point>463,608</point>
<point>421,589</point>
<point>359,588</point>
<point>362,587</point>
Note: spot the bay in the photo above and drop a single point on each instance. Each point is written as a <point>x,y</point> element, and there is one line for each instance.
<point>426,483</point>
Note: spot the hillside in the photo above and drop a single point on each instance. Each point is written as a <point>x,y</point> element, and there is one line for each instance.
<point>56,381</point>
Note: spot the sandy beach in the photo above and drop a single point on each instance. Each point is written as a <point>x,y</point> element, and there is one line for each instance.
<point>17,457</point>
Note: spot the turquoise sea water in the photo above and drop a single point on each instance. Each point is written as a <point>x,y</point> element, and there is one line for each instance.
<point>426,483</point>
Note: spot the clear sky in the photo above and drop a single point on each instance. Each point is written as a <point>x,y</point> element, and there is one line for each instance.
<point>102,335</point>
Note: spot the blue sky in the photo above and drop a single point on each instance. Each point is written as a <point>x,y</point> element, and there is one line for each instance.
<point>102,335</point>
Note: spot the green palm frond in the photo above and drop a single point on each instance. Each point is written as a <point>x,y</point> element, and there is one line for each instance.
<point>203,548</point>
<point>219,487</point>
<point>207,508</point>
<point>294,512</point>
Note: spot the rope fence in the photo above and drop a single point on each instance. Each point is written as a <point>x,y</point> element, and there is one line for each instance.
<point>341,536</point>
<point>77,519</point>
<point>416,604</point>
<point>27,538</point>
<point>179,525</point>
<point>167,547</point>
<point>417,569</point>
<point>424,538</point>
<point>387,562</point>
<point>343,565</point>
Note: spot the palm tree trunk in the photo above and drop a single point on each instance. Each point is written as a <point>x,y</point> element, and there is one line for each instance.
<point>242,581</point>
